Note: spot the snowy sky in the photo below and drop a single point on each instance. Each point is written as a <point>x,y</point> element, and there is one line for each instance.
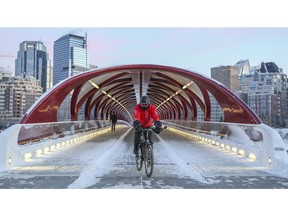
<point>187,40</point>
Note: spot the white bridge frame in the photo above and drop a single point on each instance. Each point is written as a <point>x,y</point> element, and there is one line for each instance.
<point>258,142</point>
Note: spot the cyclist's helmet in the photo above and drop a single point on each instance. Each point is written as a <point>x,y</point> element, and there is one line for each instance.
<point>145,102</point>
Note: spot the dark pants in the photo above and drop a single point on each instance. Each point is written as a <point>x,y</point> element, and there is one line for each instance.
<point>113,126</point>
<point>137,139</point>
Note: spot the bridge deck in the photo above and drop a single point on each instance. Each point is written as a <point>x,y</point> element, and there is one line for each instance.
<point>107,162</point>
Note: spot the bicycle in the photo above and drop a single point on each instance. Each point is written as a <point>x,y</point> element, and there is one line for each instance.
<point>145,152</point>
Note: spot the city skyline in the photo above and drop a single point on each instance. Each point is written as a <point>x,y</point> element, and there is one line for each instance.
<point>194,48</point>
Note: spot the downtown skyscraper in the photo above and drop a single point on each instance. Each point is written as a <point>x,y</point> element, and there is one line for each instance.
<point>33,61</point>
<point>266,90</point>
<point>70,57</point>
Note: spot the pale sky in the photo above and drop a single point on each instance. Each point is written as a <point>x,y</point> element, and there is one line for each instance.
<point>174,33</point>
<point>197,49</point>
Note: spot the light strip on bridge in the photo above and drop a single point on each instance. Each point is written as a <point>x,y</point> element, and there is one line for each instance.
<point>227,147</point>
<point>94,84</point>
<point>187,85</point>
<point>176,93</point>
<point>111,97</point>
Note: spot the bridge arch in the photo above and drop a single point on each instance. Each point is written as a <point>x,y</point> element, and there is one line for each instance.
<point>174,91</point>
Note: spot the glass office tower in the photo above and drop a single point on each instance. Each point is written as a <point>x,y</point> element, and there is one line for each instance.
<point>33,61</point>
<point>70,57</point>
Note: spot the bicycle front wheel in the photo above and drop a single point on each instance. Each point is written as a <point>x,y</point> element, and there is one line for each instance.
<point>139,160</point>
<point>149,161</point>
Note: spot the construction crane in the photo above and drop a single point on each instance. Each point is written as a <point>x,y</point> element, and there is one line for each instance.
<point>9,56</point>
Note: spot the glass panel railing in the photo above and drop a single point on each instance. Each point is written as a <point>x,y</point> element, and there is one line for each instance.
<point>220,129</point>
<point>32,133</point>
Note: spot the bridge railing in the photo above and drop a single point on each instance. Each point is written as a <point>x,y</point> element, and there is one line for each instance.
<point>23,141</point>
<point>255,141</point>
<point>35,133</point>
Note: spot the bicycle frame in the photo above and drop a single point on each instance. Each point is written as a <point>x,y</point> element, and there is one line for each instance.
<point>144,137</point>
<point>146,153</point>
<point>145,142</point>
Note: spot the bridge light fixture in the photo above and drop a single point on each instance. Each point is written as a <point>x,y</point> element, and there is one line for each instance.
<point>178,92</point>
<point>252,156</point>
<point>94,84</point>
<point>39,152</point>
<point>241,152</point>
<point>188,84</point>
<point>234,149</point>
<point>269,160</point>
<point>28,155</point>
<point>9,160</point>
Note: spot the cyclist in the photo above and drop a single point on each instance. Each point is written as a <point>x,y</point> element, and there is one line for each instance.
<point>143,114</point>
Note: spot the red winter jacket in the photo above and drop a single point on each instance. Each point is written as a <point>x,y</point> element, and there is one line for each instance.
<point>146,116</point>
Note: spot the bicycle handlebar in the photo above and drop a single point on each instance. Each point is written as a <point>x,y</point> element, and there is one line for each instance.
<point>152,128</point>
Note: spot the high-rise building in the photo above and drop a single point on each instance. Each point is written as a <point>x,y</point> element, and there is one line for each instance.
<point>70,57</point>
<point>33,61</point>
<point>217,114</point>
<point>266,89</point>
<point>49,81</point>
<point>227,75</point>
<point>4,77</point>
<point>18,95</point>
<point>4,74</point>
<point>243,67</point>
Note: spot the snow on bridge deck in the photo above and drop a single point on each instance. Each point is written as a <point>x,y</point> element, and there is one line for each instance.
<point>107,162</point>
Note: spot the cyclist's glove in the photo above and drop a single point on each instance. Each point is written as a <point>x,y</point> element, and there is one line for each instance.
<point>139,130</point>
<point>138,127</point>
<point>136,124</point>
<point>158,127</point>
